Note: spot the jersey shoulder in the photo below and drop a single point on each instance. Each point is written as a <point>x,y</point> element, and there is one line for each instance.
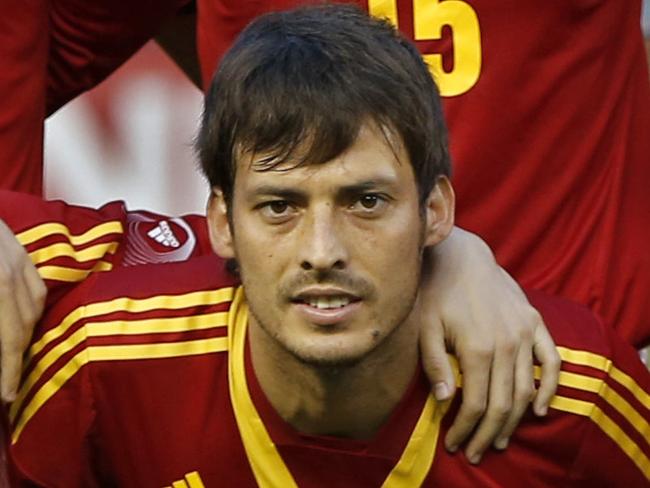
<point>131,294</point>
<point>571,324</point>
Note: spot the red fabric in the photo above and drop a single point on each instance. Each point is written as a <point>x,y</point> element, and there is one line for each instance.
<point>23,54</point>
<point>51,51</point>
<point>550,147</point>
<point>148,422</point>
<point>136,235</point>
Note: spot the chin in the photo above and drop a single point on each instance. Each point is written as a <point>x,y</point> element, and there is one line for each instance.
<point>330,356</point>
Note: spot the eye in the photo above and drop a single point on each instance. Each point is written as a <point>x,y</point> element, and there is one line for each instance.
<point>369,201</point>
<point>278,206</point>
<point>369,204</point>
<point>276,210</point>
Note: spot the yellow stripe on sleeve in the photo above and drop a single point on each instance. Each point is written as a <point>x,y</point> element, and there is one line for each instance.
<point>600,387</point>
<point>113,353</point>
<point>45,230</point>
<point>194,480</point>
<point>71,275</point>
<point>116,327</point>
<point>132,305</point>
<point>63,249</point>
<point>608,426</point>
<point>596,361</point>
<point>179,484</point>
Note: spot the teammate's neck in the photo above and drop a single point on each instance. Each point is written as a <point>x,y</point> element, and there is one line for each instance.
<point>352,401</point>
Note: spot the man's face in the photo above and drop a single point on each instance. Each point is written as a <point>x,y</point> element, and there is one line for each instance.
<point>330,254</point>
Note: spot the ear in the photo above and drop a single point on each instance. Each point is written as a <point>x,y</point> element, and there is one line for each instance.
<point>219,225</point>
<point>439,212</point>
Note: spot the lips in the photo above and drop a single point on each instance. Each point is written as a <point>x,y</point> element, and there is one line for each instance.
<point>326,306</point>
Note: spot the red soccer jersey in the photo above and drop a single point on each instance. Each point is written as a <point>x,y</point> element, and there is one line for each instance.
<point>67,242</point>
<point>549,115</point>
<point>50,52</point>
<point>142,377</point>
<point>549,112</point>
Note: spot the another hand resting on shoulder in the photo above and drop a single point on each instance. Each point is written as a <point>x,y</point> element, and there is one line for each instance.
<point>22,298</point>
<point>473,308</point>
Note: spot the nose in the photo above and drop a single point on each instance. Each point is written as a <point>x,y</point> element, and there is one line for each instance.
<point>322,247</point>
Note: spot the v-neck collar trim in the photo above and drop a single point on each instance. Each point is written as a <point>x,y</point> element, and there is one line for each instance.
<point>268,467</point>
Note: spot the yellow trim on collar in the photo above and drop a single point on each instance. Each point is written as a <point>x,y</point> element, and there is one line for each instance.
<point>268,466</point>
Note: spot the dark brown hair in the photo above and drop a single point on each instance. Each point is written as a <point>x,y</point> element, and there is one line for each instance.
<point>310,78</point>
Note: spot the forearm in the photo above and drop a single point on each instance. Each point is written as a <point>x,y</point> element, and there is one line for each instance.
<point>458,252</point>
<point>476,310</point>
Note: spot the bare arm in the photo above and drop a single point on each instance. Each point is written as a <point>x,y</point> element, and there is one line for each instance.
<point>22,298</point>
<point>474,307</point>
<point>478,312</point>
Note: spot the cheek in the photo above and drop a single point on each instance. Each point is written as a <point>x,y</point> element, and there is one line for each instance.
<point>396,252</point>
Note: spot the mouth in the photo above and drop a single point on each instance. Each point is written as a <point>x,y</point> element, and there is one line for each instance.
<point>326,307</point>
<point>325,298</point>
<point>327,302</point>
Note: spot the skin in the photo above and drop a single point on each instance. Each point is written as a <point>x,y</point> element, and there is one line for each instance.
<point>493,332</point>
<point>500,340</point>
<point>491,329</point>
<point>22,299</point>
<point>344,228</point>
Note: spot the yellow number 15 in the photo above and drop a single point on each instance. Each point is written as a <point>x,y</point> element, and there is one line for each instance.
<point>429,18</point>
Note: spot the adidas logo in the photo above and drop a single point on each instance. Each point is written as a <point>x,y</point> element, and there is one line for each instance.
<point>163,234</point>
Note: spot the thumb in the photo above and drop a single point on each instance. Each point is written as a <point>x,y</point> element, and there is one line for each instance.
<point>435,359</point>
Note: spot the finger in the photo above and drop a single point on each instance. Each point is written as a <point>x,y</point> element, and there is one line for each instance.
<point>499,404</point>
<point>37,293</point>
<point>523,394</point>
<point>546,353</point>
<point>435,359</point>
<point>27,301</point>
<point>22,297</point>
<point>10,352</point>
<point>476,371</point>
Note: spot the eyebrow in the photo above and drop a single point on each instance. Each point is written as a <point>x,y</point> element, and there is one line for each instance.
<point>287,193</point>
<point>277,191</point>
<point>367,185</point>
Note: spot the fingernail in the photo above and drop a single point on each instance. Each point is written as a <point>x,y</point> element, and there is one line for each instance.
<point>541,411</point>
<point>441,391</point>
<point>9,397</point>
<point>501,444</point>
<point>474,458</point>
<point>453,448</point>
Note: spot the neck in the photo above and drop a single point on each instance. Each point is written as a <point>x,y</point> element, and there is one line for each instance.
<point>350,401</point>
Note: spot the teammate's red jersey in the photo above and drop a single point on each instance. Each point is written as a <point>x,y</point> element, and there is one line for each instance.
<point>549,112</point>
<point>50,52</point>
<point>548,108</point>
<point>142,377</point>
<point>121,358</point>
<point>549,115</point>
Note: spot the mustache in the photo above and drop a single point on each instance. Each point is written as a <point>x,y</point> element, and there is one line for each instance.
<point>341,279</point>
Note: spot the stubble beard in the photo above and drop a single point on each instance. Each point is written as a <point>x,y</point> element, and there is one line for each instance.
<point>333,365</point>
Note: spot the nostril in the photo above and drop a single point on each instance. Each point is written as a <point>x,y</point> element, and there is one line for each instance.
<point>306,265</point>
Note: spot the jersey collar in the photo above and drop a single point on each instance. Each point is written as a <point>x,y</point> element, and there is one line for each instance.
<point>268,467</point>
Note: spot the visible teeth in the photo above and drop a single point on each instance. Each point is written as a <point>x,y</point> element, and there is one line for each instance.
<point>328,302</point>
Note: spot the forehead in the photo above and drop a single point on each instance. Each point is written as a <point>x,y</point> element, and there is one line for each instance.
<point>376,156</point>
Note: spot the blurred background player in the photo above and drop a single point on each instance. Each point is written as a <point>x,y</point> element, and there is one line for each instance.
<point>562,135</point>
<point>333,342</point>
<point>85,41</point>
<point>565,132</point>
